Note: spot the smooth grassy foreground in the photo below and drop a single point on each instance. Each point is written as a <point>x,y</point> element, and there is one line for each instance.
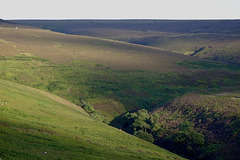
<point>37,125</point>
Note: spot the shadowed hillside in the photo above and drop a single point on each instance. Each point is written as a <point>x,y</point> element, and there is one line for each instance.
<point>7,24</point>
<point>199,126</point>
<point>173,26</point>
<point>215,117</point>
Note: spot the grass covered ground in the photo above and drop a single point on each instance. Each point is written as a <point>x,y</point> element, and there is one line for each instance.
<point>114,92</point>
<point>34,125</point>
<point>110,78</point>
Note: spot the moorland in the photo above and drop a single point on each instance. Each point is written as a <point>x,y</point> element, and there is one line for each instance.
<point>171,83</point>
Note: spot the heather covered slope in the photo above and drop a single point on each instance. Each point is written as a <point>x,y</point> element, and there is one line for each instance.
<point>61,48</point>
<point>217,40</point>
<point>201,125</point>
<point>214,117</point>
<point>113,80</point>
<point>37,125</point>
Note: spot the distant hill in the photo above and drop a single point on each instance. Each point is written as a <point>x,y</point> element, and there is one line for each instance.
<point>173,26</point>
<point>7,24</point>
<point>217,40</point>
<point>61,48</point>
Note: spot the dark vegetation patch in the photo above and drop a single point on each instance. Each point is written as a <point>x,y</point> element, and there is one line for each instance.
<point>199,50</point>
<point>211,116</point>
<point>210,65</point>
<point>174,26</point>
<point>196,126</point>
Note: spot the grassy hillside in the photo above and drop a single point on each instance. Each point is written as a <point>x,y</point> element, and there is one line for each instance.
<point>61,48</point>
<point>214,39</point>
<point>37,125</point>
<point>133,87</point>
<point>78,67</point>
<point>114,92</point>
<point>218,47</point>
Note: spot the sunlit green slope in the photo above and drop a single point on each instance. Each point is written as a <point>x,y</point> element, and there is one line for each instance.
<point>37,125</point>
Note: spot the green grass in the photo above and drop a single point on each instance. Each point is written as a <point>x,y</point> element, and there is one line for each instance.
<point>35,126</point>
<point>117,91</point>
<point>210,65</point>
<point>110,91</point>
<point>114,77</point>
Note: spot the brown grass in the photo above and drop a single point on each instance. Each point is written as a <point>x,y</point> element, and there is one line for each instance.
<point>62,48</point>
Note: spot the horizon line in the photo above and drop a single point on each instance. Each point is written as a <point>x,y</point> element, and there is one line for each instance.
<point>122,19</point>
